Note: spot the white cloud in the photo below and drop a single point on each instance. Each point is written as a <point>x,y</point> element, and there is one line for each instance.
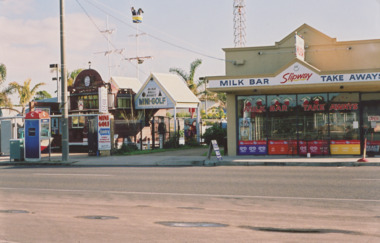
<point>16,7</point>
<point>27,47</point>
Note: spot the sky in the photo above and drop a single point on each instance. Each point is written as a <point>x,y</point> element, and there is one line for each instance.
<point>173,32</point>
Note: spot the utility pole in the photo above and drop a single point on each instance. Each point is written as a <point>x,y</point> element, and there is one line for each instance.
<point>64,106</point>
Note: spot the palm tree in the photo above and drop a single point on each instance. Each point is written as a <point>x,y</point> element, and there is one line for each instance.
<point>5,102</point>
<point>3,72</point>
<point>189,78</point>
<point>71,76</point>
<point>25,93</point>
<point>40,95</point>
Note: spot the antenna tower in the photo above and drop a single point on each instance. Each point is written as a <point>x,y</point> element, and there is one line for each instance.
<point>239,23</point>
<point>107,32</point>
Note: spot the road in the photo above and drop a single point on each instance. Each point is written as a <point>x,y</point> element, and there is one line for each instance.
<point>190,204</point>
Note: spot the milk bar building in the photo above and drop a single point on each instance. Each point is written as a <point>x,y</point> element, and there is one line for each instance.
<point>308,93</point>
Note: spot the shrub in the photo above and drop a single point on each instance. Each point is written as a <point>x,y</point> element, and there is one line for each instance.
<point>127,148</point>
<point>172,143</point>
<point>215,133</point>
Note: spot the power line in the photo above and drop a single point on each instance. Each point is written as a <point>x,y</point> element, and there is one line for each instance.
<point>158,38</point>
<point>103,33</point>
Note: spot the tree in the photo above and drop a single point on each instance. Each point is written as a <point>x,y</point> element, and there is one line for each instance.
<point>205,94</point>
<point>71,76</point>
<point>3,72</point>
<point>40,95</point>
<point>5,102</point>
<point>189,77</point>
<point>25,93</point>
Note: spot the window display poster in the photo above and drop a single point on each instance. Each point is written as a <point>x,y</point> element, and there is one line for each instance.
<point>104,132</point>
<point>245,129</point>
<point>345,147</point>
<point>252,147</point>
<point>373,146</point>
<point>314,147</point>
<point>190,129</point>
<point>282,147</point>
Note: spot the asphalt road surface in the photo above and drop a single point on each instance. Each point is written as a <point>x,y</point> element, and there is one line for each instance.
<point>189,204</point>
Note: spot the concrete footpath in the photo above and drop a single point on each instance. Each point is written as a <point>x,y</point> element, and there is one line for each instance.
<point>192,157</point>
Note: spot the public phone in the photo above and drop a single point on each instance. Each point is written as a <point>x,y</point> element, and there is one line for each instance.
<point>37,134</point>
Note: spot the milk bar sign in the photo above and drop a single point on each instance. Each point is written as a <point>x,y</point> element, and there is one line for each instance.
<point>294,74</point>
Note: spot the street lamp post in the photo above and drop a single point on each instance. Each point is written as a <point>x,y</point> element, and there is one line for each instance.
<point>55,67</point>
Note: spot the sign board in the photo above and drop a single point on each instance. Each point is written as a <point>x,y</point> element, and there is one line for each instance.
<point>373,118</point>
<point>215,146</point>
<point>103,100</point>
<point>296,73</point>
<point>153,97</point>
<point>104,132</point>
<point>300,47</point>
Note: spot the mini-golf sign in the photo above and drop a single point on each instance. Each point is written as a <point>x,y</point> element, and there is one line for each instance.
<point>104,132</point>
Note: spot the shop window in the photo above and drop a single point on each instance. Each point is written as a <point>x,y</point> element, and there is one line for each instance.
<point>282,124</point>
<point>252,137</point>
<point>313,124</point>
<point>343,111</point>
<point>78,121</point>
<point>89,101</point>
<point>371,122</point>
<point>124,102</point>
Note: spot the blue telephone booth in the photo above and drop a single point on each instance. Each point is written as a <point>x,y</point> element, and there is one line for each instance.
<point>37,129</point>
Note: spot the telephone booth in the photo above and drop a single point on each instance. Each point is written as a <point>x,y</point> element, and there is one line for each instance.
<point>37,131</point>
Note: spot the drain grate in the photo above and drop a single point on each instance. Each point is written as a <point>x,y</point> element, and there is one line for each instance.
<point>301,230</point>
<point>97,217</point>
<point>13,211</point>
<point>191,224</point>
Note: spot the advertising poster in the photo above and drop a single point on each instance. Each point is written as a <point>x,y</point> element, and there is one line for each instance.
<point>282,147</point>
<point>345,147</point>
<point>252,147</point>
<point>104,132</point>
<point>314,147</point>
<point>245,129</point>
<point>373,146</point>
<point>190,129</point>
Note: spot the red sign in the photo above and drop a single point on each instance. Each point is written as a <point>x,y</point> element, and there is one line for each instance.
<point>37,115</point>
<point>373,118</point>
<point>344,107</point>
<point>292,77</point>
<point>282,147</point>
<point>104,121</point>
<point>314,147</point>
<point>274,108</point>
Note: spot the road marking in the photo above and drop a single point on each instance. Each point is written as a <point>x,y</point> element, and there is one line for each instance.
<point>366,179</point>
<point>48,174</point>
<point>195,195</point>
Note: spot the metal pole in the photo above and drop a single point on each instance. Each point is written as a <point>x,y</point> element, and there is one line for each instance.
<point>65,114</point>
<point>57,84</point>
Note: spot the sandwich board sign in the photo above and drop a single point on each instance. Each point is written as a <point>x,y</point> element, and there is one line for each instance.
<point>214,145</point>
